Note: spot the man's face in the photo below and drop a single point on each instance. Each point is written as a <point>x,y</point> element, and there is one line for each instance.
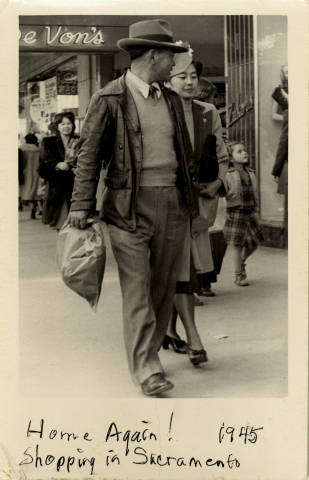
<point>164,62</point>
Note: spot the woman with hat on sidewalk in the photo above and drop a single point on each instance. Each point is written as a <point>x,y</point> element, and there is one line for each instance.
<point>205,131</point>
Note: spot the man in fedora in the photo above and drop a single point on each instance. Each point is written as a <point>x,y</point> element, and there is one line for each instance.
<point>136,127</point>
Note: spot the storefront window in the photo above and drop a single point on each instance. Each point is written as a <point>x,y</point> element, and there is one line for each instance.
<point>240,89</point>
<point>272,55</point>
<point>67,87</point>
<point>43,96</point>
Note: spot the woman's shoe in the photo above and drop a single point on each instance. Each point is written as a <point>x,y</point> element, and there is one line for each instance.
<point>240,280</point>
<point>32,215</point>
<point>197,356</point>
<point>207,292</point>
<point>197,301</point>
<point>178,345</point>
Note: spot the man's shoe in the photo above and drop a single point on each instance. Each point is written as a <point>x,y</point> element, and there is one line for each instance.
<point>156,384</point>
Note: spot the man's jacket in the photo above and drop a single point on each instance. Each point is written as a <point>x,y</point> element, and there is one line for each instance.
<point>112,134</point>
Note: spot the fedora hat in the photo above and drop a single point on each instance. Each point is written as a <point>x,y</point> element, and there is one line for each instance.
<point>150,34</point>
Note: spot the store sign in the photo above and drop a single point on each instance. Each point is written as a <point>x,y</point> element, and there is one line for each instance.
<point>60,37</point>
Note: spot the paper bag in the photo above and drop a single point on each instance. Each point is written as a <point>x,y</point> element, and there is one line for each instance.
<point>81,256</point>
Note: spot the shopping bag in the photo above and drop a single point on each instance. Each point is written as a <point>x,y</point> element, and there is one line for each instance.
<point>81,257</point>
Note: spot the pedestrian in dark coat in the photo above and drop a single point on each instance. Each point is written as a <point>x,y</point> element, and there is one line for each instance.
<point>57,168</point>
<point>280,168</point>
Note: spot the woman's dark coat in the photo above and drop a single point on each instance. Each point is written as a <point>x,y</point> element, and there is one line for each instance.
<point>280,168</point>
<point>60,182</point>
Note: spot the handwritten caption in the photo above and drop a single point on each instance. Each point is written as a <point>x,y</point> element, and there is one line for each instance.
<point>119,445</point>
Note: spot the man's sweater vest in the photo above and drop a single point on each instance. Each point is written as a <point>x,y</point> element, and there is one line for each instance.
<point>159,159</point>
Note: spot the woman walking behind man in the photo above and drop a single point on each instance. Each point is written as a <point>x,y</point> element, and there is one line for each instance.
<point>204,126</point>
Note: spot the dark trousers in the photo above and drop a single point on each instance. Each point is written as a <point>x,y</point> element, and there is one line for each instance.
<point>148,261</point>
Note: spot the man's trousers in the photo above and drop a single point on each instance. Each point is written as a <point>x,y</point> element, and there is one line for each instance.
<point>148,261</point>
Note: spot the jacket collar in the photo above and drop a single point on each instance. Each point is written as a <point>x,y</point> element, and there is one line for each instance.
<point>233,169</point>
<point>30,146</point>
<point>136,83</point>
<point>118,87</point>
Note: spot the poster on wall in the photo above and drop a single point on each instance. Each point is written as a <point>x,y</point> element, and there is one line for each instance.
<point>50,95</point>
<point>66,82</point>
<point>41,103</point>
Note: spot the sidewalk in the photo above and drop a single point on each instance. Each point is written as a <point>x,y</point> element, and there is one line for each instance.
<point>67,350</point>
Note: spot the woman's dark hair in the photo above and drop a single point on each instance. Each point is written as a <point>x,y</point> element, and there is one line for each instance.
<point>52,128</point>
<point>31,138</point>
<point>206,89</point>
<point>198,67</point>
<point>60,116</point>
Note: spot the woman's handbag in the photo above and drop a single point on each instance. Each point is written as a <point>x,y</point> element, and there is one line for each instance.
<point>218,247</point>
<point>81,256</point>
<point>208,164</point>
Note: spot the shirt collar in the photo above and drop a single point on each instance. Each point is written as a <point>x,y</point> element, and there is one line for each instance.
<point>138,84</point>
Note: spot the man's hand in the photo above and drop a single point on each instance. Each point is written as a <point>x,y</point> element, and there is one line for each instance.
<point>276,179</point>
<point>62,166</point>
<point>78,219</point>
<point>199,224</point>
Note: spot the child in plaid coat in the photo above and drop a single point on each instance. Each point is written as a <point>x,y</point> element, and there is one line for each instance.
<point>241,229</point>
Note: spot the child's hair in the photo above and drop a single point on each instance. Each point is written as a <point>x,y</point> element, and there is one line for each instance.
<point>230,147</point>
